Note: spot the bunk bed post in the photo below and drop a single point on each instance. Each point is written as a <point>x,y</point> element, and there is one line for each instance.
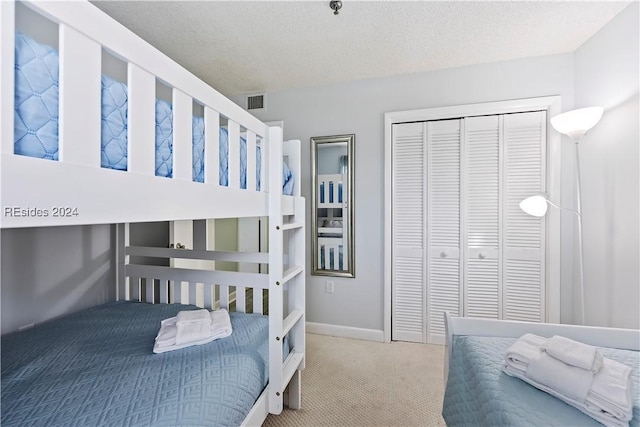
<point>7,70</point>
<point>297,300</point>
<point>276,246</point>
<point>122,279</point>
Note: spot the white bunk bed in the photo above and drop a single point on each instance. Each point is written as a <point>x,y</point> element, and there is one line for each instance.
<point>76,189</point>
<point>332,227</point>
<point>479,393</point>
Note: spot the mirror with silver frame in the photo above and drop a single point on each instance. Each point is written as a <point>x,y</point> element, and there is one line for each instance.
<point>332,160</point>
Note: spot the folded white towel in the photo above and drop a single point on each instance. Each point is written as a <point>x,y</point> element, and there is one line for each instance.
<point>219,327</point>
<point>612,390</point>
<point>167,334</point>
<point>521,352</point>
<point>192,331</point>
<point>609,398</point>
<point>192,316</point>
<point>220,323</point>
<point>567,380</point>
<point>574,353</point>
<point>192,326</point>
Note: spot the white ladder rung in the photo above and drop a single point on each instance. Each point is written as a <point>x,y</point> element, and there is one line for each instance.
<point>292,226</point>
<point>292,272</point>
<point>290,366</point>
<point>291,320</point>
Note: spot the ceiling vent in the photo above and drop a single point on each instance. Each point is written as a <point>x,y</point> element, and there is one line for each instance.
<point>256,101</point>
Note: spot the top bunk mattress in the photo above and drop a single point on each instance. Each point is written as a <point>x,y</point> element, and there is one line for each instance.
<point>479,393</point>
<point>96,368</point>
<point>36,121</point>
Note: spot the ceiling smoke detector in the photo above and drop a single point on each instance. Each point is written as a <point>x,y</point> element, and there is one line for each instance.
<point>336,5</point>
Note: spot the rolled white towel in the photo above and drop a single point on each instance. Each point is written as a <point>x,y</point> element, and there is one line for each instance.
<point>574,353</point>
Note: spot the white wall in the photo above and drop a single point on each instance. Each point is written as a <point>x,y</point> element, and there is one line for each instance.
<point>48,272</point>
<point>607,74</point>
<point>359,107</point>
<point>602,72</point>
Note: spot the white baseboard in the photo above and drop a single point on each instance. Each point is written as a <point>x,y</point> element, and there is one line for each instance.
<point>345,332</point>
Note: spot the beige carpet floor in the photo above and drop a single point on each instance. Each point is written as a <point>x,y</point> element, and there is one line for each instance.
<point>361,383</point>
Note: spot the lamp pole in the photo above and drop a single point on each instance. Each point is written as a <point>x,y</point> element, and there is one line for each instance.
<point>580,245</point>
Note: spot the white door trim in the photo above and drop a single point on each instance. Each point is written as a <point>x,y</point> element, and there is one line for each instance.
<point>552,104</point>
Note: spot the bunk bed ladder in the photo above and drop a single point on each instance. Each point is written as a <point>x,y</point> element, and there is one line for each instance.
<point>285,372</point>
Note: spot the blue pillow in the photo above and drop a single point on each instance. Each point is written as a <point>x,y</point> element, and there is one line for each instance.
<point>36,99</point>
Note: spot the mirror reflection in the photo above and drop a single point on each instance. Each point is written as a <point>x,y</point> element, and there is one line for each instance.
<point>332,228</point>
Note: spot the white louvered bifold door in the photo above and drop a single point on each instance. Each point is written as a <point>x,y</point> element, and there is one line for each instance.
<point>481,216</point>
<point>443,225</point>
<point>460,242</point>
<point>408,235</point>
<point>524,256</point>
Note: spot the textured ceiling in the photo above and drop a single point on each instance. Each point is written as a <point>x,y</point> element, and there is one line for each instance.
<point>250,46</point>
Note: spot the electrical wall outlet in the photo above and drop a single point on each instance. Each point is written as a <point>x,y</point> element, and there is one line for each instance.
<point>329,288</point>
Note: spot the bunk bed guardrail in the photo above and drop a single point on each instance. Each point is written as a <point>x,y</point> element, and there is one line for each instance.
<point>31,198</point>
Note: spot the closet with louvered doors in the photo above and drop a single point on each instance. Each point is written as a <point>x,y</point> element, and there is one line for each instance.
<point>460,242</point>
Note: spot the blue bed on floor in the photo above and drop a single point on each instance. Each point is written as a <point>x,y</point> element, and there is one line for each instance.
<point>478,393</point>
<point>36,121</point>
<point>96,368</point>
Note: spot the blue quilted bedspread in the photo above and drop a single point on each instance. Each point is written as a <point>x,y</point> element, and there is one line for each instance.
<point>478,393</point>
<point>97,368</point>
<point>36,120</point>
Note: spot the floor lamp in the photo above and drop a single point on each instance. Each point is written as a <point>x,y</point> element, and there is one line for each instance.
<point>574,124</point>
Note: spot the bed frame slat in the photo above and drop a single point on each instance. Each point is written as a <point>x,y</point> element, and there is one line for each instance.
<point>211,146</point>
<point>193,294</point>
<point>257,300</point>
<point>182,135</point>
<point>241,302</point>
<point>234,154</point>
<point>209,296</point>
<point>149,294</point>
<point>163,292</point>
<point>135,288</point>
<point>251,160</point>
<point>140,121</point>
<point>7,75</point>
<point>224,297</point>
<point>80,105</point>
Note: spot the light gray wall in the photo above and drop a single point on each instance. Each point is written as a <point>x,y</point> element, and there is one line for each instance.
<point>48,272</point>
<point>607,74</point>
<point>359,107</point>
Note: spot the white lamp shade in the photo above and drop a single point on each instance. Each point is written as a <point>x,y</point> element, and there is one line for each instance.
<point>577,122</point>
<point>534,205</point>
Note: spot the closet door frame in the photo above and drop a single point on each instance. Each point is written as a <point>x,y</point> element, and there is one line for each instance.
<point>551,104</point>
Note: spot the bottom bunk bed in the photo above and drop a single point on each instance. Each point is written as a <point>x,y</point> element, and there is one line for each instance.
<point>104,366</point>
<point>96,367</point>
<point>478,392</point>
